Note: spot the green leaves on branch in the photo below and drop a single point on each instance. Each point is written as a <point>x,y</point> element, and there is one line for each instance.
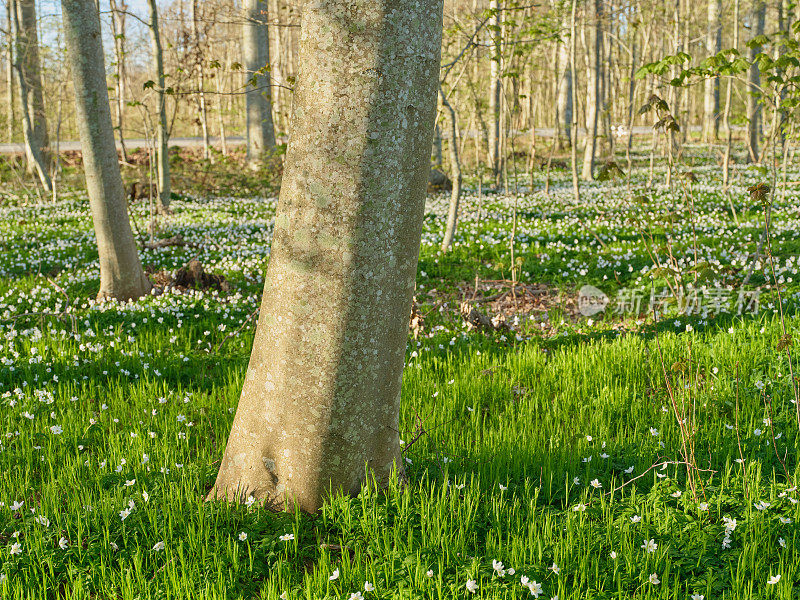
<point>661,67</point>
<point>725,63</point>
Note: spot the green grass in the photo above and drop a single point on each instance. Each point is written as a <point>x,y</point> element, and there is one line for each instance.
<point>108,405</point>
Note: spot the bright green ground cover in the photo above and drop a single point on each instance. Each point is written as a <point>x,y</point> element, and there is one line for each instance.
<point>113,418</point>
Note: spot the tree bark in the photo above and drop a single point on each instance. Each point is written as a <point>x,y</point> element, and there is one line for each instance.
<point>594,8</point>
<point>321,396</point>
<point>758,15</point>
<point>29,82</point>
<point>121,274</point>
<point>162,131</point>
<point>711,89</point>
<point>255,52</point>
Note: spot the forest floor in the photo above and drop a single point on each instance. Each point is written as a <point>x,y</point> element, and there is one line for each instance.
<point>557,450</point>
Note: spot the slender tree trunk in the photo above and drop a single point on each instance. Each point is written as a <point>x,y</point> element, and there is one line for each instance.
<point>606,71</point>
<point>201,81</point>
<point>321,397</point>
<point>711,89</point>
<point>276,41</point>
<point>162,132</point>
<point>118,14</point>
<point>686,100</point>
<point>255,51</point>
<point>29,83</point>
<point>121,274</point>
<point>631,97</point>
<point>594,8</point>
<point>11,117</point>
<point>726,115</point>
<point>455,173</point>
<point>436,154</point>
<point>223,138</point>
<point>671,139</point>
<point>573,42</point>
<point>758,16</point>
<point>564,121</point>
<point>494,92</point>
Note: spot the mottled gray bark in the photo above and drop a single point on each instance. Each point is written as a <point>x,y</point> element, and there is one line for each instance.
<point>711,90</point>
<point>255,52</point>
<point>455,174</point>
<point>29,82</point>
<point>121,274</point>
<point>321,396</point>
<point>162,131</point>
<point>594,39</point>
<point>758,15</point>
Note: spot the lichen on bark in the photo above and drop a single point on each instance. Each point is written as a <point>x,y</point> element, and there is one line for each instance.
<point>320,401</point>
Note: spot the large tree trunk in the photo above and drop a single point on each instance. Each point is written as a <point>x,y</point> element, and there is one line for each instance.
<point>494,92</point>
<point>759,9</point>
<point>321,396</point>
<point>121,275</point>
<point>594,13</point>
<point>255,51</point>
<point>29,83</point>
<point>162,131</point>
<point>711,90</point>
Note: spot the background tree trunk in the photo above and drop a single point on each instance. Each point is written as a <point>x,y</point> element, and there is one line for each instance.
<point>758,15</point>
<point>201,80</point>
<point>255,52</point>
<point>121,274</point>
<point>29,83</point>
<point>593,9</point>
<point>711,84</point>
<point>494,92</point>
<point>573,43</point>
<point>321,396</point>
<point>564,104</point>
<point>455,174</point>
<point>118,13</point>
<point>162,131</point>
<point>11,118</point>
